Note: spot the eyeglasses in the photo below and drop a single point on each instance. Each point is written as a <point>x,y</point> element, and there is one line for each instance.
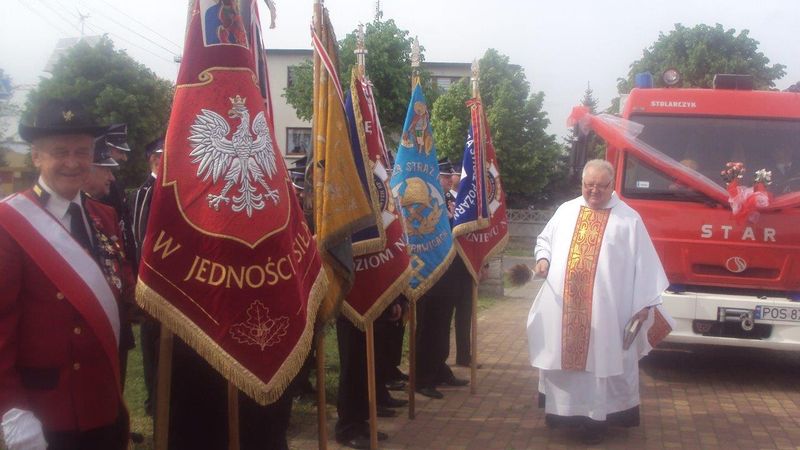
<point>599,187</point>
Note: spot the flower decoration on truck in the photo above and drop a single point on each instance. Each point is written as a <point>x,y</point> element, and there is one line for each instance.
<point>746,202</point>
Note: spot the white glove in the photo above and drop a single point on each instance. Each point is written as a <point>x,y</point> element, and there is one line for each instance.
<point>23,431</point>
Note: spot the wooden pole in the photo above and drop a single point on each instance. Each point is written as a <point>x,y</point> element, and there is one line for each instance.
<point>233,417</point>
<point>319,336</point>
<point>163,385</point>
<point>322,421</point>
<point>412,315</point>
<point>373,402</point>
<point>473,364</point>
<point>412,359</point>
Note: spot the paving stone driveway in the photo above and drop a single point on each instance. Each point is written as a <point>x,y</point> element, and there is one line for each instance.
<point>693,398</point>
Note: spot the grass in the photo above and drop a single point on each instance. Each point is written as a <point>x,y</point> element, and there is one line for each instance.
<point>304,412</point>
<point>518,251</point>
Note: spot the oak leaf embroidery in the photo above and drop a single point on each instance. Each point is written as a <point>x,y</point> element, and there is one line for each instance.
<point>259,328</point>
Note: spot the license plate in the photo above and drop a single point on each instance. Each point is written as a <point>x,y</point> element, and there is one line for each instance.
<point>777,313</point>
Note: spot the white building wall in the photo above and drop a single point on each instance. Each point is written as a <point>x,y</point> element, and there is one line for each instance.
<point>280,60</point>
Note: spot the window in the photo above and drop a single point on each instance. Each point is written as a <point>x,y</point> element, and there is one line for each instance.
<point>443,83</point>
<point>290,76</point>
<point>706,144</point>
<point>298,141</point>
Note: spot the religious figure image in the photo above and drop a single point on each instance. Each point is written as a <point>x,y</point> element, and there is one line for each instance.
<point>223,24</point>
<point>418,134</point>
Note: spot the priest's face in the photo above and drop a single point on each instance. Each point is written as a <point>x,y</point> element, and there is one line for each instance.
<point>597,187</point>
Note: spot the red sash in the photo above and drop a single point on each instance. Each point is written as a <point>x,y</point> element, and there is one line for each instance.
<point>67,265</point>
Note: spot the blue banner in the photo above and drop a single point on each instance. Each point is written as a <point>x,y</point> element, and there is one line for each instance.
<point>466,210</point>
<point>415,182</point>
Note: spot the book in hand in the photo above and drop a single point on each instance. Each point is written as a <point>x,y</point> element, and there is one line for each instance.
<point>631,330</point>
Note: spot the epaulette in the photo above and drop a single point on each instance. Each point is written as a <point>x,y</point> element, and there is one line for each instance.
<point>41,194</point>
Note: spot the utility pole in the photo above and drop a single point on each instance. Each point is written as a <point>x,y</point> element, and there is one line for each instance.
<point>82,18</point>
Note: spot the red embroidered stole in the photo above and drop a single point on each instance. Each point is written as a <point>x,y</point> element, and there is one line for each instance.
<point>576,317</point>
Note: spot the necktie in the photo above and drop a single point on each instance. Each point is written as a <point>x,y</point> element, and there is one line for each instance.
<point>77,226</point>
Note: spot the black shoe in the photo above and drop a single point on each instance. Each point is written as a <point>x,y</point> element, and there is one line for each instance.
<point>360,440</point>
<point>137,438</point>
<point>397,374</point>
<point>392,402</point>
<point>364,431</point>
<point>455,382</point>
<point>430,392</point>
<point>468,365</point>
<point>354,442</point>
<point>396,385</point>
<point>592,435</point>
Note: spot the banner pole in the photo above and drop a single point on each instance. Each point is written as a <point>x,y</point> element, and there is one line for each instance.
<point>473,364</point>
<point>373,408</point>
<point>412,359</point>
<point>322,422</point>
<point>163,385</point>
<point>233,417</point>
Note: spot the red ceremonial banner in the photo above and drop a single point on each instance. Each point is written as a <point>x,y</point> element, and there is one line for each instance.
<point>478,245</point>
<point>381,263</point>
<point>228,263</point>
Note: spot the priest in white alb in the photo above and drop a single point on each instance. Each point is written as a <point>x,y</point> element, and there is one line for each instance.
<point>602,276</point>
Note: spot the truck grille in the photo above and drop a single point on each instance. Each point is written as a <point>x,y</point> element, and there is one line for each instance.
<point>750,272</point>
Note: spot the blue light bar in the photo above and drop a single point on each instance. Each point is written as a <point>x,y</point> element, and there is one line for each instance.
<point>643,80</point>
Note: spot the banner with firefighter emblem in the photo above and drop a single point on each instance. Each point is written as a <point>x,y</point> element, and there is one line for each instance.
<point>379,252</point>
<point>480,222</point>
<point>228,262</point>
<point>415,181</point>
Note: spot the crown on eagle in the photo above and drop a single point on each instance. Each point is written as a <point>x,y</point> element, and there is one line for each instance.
<point>238,100</point>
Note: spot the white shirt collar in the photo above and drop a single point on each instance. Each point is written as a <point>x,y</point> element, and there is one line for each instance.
<point>612,202</point>
<point>153,174</point>
<point>58,205</point>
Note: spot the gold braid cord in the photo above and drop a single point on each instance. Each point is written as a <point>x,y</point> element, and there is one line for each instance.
<point>576,318</point>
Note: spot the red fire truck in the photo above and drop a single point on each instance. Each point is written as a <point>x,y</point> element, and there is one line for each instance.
<point>734,281</point>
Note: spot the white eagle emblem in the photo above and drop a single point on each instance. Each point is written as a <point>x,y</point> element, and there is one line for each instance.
<point>239,160</point>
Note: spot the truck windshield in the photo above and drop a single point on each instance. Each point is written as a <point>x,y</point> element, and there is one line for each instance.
<point>706,144</point>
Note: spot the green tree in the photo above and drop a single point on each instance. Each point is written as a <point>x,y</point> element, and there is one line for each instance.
<point>388,67</point>
<point>528,155</point>
<point>114,88</point>
<point>300,94</point>
<point>700,52</point>
<point>450,120</point>
<point>588,99</point>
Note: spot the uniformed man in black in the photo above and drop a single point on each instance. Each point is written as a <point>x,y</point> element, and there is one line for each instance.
<point>139,200</point>
<point>435,313</point>
<point>117,141</point>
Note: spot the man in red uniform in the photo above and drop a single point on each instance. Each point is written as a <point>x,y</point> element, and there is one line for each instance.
<point>62,270</point>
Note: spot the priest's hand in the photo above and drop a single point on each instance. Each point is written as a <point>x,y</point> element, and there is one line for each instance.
<point>642,314</point>
<point>542,267</point>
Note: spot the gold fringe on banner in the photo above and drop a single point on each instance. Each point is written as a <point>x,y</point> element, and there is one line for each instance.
<point>414,294</point>
<point>379,243</point>
<point>380,305</point>
<point>263,393</point>
<point>494,251</point>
